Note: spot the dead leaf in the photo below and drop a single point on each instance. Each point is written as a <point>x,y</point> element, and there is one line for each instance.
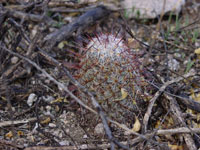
<point>20,133</point>
<point>134,102</point>
<point>62,44</point>
<point>157,124</point>
<point>133,44</point>
<point>59,100</point>
<point>197,51</point>
<point>175,147</point>
<point>46,121</point>
<point>196,97</point>
<point>9,134</point>
<point>137,125</point>
<point>124,94</point>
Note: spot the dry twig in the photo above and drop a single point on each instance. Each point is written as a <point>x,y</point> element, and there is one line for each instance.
<point>16,122</point>
<point>178,116</point>
<point>158,93</point>
<point>88,18</point>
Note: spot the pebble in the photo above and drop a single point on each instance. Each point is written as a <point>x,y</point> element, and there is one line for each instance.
<point>62,143</point>
<point>173,64</point>
<point>14,60</point>
<point>48,98</point>
<point>52,125</point>
<point>85,136</point>
<point>32,98</point>
<point>99,129</point>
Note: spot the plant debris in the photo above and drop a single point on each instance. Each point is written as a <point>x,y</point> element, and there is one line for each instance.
<point>82,75</point>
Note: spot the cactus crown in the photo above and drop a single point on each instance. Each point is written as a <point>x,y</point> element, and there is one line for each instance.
<point>106,47</point>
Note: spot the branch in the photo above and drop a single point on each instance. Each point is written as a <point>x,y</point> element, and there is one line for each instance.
<point>158,93</point>
<point>88,18</point>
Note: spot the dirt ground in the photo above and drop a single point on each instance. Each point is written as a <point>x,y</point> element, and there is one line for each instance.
<point>80,75</point>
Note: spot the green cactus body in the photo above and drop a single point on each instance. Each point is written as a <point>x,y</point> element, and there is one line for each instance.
<point>108,66</point>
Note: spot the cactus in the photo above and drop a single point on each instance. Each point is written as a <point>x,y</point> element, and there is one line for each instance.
<point>111,70</point>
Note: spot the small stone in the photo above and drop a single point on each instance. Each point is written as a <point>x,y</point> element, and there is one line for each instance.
<point>127,133</point>
<point>67,19</point>
<point>62,143</point>
<point>197,44</point>
<point>58,133</point>
<point>84,146</point>
<point>47,98</point>
<point>52,125</point>
<point>32,98</point>
<point>47,81</point>
<point>173,64</point>
<point>33,32</point>
<point>14,60</point>
<point>185,62</point>
<point>85,136</point>
<point>48,108</point>
<point>99,129</point>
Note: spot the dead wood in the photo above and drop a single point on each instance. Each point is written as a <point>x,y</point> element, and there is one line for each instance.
<point>84,21</point>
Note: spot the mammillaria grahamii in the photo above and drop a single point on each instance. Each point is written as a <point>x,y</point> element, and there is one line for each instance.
<point>112,71</point>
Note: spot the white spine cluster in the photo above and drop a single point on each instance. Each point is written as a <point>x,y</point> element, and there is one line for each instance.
<point>106,47</point>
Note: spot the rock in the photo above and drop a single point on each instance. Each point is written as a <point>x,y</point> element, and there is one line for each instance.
<point>84,146</point>
<point>62,143</point>
<point>85,136</point>
<point>32,98</point>
<point>52,125</point>
<point>99,129</point>
<point>173,64</point>
<point>150,8</point>
<point>14,60</point>
<point>48,98</point>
